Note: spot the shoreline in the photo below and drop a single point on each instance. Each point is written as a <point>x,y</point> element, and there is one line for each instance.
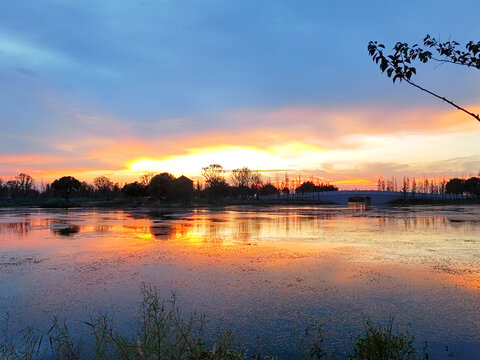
<point>122,204</point>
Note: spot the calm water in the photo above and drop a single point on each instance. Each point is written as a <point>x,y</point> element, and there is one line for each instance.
<point>264,272</point>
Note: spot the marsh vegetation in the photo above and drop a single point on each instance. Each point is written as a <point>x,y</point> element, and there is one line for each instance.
<point>162,331</point>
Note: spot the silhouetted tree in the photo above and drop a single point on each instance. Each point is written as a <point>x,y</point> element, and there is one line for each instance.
<point>12,188</point>
<point>216,185</point>
<point>212,173</point>
<point>198,187</point>
<point>414,187</point>
<point>455,186</point>
<point>472,186</point>
<point>443,185</point>
<point>242,177</point>
<point>268,189</point>
<point>66,186</point>
<point>134,190</point>
<point>2,189</point>
<point>398,65</point>
<point>286,191</point>
<point>241,180</point>
<point>256,182</point>
<point>103,185</point>
<point>162,186</point>
<point>86,190</point>
<point>24,183</point>
<point>308,187</point>
<point>245,181</point>
<point>381,184</point>
<point>21,186</point>
<point>146,178</point>
<point>405,185</point>
<point>218,188</point>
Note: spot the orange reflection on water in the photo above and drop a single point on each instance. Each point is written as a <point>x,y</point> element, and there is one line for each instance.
<point>250,264</point>
<point>445,243</point>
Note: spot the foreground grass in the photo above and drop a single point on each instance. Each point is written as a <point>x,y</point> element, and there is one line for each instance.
<point>163,333</point>
<point>382,342</point>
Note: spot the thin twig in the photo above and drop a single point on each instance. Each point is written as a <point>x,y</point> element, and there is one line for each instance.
<point>476,116</point>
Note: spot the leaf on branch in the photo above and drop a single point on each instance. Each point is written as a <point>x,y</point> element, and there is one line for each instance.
<point>398,63</point>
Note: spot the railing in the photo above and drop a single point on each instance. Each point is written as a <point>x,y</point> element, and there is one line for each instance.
<point>331,195</point>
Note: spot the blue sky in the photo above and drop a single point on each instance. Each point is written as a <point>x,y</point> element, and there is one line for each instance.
<point>78,75</point>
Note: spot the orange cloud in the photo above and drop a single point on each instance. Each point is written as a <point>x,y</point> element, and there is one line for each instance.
<point>348,145</point>
<point>29,159</point>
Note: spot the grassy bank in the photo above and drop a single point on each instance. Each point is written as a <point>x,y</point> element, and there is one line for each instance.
<point>163,332</point>
<point>126,203</point>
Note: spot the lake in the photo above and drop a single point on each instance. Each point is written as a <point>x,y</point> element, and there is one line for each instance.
<point>264,272</point>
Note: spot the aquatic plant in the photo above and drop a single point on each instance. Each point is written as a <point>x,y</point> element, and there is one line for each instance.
<point>382,342</point>
<point>163,332</point>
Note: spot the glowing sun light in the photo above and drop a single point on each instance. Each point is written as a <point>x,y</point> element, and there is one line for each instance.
<point>229,157</point>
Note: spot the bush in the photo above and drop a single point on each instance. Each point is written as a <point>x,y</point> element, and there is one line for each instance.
<point>309,187</point>
<point>380,342</point>
<point>162,333</point>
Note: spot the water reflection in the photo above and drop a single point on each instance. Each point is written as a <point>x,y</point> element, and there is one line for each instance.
<point>357,206</point>
<point>247,226</point>
<point>66,230</point>
<point>291,263</point>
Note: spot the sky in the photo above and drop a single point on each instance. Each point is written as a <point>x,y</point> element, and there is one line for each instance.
<point>119,88</point>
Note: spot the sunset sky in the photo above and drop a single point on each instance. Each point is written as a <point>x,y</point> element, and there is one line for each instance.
<point>118,88</point>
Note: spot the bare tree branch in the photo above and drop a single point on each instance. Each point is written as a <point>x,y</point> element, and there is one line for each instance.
<point>476,116</point>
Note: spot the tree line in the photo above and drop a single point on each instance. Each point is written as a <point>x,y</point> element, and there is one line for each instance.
<point>247,183</point>
<point>469,186</point>
<point>23,186</point>
<point>242,184</point>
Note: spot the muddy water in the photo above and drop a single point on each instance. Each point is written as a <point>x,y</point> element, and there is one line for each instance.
<point>264,272</point>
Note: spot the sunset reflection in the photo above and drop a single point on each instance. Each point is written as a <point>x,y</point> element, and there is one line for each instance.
<point>422,240</point>
<point>295,259</point>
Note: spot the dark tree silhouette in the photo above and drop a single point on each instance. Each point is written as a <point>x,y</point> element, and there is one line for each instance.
<point>216,185</point>
<point>213,173</point>
<point>245,181</point>
<point>217,189</point>
<point>22,185</point>
<point>268,189</point>
<point>66,186</point>
<point>398,65</point>
<point>25,183</point>
<point>472,186</point>
<point>134,190</point>
<point>242,177</point>
<point>86,190</point>
<point>103,185</point>
<point>308,187</point>
<point>455,186</point>
<point>162,186</point>
<point>146,178</point>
